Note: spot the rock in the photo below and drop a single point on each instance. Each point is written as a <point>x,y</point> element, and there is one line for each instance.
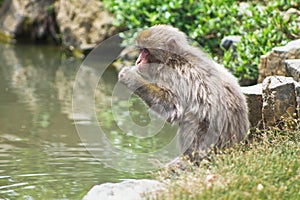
<point>292,68</point>
<point>279,99</point>
<point>83,23</point>
<point>126,190</point>
<point>230,41</point>
<point>246,9</point>
<point>297,93</point>
<point>29,20</point>
<point>292,14</point>
<point>273,62</point>
<point>254,100</point>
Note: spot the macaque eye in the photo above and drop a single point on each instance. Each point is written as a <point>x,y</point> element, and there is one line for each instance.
<point>144,51</point>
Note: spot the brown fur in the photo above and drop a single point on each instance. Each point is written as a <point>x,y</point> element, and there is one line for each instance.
<point>186,87</point>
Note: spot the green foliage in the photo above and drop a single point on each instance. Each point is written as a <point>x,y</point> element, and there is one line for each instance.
<point>261,25</point>
<point>1,2</point>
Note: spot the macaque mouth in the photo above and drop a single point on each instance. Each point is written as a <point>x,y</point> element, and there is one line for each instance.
<point>142,59</point>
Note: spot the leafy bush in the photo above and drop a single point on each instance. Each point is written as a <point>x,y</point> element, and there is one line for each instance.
<point>260,24</point>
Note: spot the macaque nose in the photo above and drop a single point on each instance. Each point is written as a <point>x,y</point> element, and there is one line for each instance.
<point>142,59</point>
<point>138,61</point>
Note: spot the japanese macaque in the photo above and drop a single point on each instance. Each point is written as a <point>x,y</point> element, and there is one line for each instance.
<point>184,86</point>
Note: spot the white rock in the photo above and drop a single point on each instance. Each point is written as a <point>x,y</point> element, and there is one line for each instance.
<point>126,190</point>
<point>292,68</point>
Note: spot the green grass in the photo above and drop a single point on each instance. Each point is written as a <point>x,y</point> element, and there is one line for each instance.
<point>267,167</point>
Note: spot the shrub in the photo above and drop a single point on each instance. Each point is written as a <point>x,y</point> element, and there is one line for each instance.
<point>1,2</point>
<point>261,26</point>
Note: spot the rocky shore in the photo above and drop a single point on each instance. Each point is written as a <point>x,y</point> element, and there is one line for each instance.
<point>79,25</point>
<point>76,25</point>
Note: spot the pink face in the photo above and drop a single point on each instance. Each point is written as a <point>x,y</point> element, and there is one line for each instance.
<point>142,59</point>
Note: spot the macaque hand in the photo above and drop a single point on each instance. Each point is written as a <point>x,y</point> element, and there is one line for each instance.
<point>129,77</point>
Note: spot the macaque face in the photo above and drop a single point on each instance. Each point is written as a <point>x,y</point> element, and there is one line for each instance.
<point>147,64</point>
<point>143,57</point>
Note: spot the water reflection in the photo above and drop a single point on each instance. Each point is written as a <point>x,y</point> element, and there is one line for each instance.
<point>41,155</point>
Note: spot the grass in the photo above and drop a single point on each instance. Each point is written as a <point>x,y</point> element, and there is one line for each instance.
<point>267,167</point>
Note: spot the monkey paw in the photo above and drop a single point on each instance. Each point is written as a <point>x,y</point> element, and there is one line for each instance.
<point>129,77</point>
<point>126,75</point>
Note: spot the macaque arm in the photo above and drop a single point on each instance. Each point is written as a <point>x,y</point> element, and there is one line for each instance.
<point>161,100</point>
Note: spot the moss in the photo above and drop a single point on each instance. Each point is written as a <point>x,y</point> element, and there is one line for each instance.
<point>5,38</point>
<point>78,53</point>
<point>27,25</point>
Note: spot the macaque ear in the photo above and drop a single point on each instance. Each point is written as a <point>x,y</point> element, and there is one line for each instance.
<point>172,45</point>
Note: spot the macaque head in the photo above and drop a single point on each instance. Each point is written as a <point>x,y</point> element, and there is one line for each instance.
<point>157,44</point>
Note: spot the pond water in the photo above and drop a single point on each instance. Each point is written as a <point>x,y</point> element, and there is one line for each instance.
<point>41,153</point>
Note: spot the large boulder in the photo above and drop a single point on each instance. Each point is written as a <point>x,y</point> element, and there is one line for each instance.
<point>83,23</point>
<point>127,190</point>
<point>27,19</point>
<point>273,63</point>
<point>279,99</point>
<point>254,100</point>
<point>77,24</point>
<point>293,69</point>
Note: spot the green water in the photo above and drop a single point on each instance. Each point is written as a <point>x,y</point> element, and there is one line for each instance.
<point>41,154</point>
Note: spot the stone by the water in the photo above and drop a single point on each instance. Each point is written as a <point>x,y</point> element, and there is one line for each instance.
<point>143,189</point>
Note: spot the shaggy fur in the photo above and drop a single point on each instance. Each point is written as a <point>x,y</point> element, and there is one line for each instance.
<point>186,87</point>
